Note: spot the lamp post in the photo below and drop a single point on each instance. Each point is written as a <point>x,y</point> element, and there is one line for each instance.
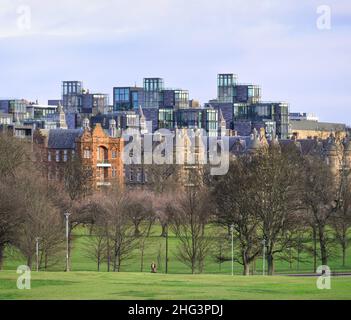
<point>37,251</point>
<point>264,257</point>
<point>67,214</point>
<point>166,267</point>
<point>232,233</point>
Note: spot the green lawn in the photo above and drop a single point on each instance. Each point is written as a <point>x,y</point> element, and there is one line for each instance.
<point>155,244</point>
<point>103,285</point>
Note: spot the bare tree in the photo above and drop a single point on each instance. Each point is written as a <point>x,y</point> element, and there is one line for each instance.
<point>235,207</point>
<point>77,178</point>
<point>276,197</point>
<point>96,246</point>
<point>341,221</point>
<point>118,227</point>
<point>14,155</point>
<point>319,195</point>
<point>191,213</point>
<point>40,219</point>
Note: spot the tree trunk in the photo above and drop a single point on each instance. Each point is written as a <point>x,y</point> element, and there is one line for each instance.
<point>2,249</point>
<point>270,264</point>
<point>119,263</point>
<point>142,257</point>
<point>323,246</point>
<point>344,245</point>
<point>314,250</point>
<point>136,230</point>
<point>193,264</point>
<point>46,261</point>
<point>108,255</point>
<point>246,269</point>
<point>29,262</point>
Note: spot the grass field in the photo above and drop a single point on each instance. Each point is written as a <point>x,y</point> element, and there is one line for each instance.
<point>156,244</point>
<point>103,285</point>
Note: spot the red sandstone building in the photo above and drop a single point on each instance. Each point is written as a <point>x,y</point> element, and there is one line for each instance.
<point>98,150</point>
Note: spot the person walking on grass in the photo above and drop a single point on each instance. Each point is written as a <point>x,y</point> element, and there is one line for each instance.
<point>153,267</point>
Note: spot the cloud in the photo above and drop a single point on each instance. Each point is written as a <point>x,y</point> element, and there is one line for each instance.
<point>106,42</point>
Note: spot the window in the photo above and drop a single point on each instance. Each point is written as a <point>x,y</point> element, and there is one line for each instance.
<point>114,154</point>
<point>49,156</point>
<point>135,100</point>
<point>86,154</point>
<point>57,155</point>
<point>113,172</point>
<point>139,175</point>
<point>121,94</point>
<point>65,155</point>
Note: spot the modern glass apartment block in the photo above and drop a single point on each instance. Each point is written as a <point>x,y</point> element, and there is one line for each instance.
<point>247,93</point>
<point>175,98</point>
<point>35,111</point>
<point>121,99</point>
<point>17,108</point>
<point>166,118</point>
<point>181,98</point>
<point>210,121</point>
<point>226,87</point>
<point>240,111</point>
<point>100,103</point>
<point>272,111</point>
<point>72,96</point>
<point>281,117</point>
<point>189,118</point>
<point>153,92</point>
<point>127,98</point>
<point>261,111</point>
<point>72,87</point>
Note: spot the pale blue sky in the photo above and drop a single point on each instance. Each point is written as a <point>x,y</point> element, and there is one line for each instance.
<point>107,43</point>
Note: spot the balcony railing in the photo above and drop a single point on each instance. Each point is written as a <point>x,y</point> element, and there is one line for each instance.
<point>103,163</point>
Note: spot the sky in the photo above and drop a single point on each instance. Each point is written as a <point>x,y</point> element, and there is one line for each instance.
<point>277,44</point>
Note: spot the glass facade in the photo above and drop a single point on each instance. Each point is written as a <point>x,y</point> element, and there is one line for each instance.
<point>247,93</point>
<point>100,103</point>
<point>240,111</point>
<point>72,87</point>
<point>127,98</point>
<point>153,92</point>
<point>281,117</point>
<point>121,98</point>
<point>261,111</point>
<point>226,87</point>
<point>166,118</point>
<point>189,118</point>
<point>72,96</point>
<point>181,99</point>
<point>210,117</point>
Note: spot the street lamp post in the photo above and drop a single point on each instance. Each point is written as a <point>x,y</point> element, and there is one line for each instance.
<point>232,233</point>
<point>37,251</point>
<point>67,214</point>
<point>166,249</point>
<point>264,257</point>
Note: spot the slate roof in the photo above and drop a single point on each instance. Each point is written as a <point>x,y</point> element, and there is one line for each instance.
<point>63,139</point>
<point>317,126</point>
